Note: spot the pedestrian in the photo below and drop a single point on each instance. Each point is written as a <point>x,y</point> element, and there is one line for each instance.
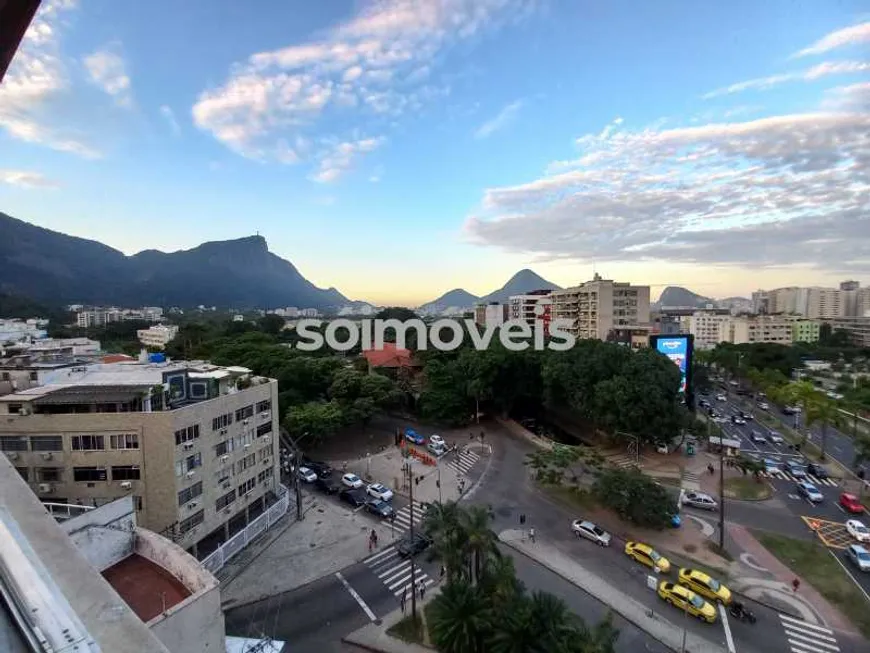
<point>402,600</point>
<point>375,537</point>
<point>795,584</point>
<point>532,534</point>
<point>710,469</point>
<point>422,590</point>
<point>443,571</point>
<point>523,519</point>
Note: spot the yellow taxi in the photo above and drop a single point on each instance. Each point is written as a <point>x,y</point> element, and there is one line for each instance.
<point>687,600</point>
<point>705,585</point>
<point>646,555</point>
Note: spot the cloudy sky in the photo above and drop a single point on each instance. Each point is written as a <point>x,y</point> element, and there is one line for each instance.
<point>397,149</point>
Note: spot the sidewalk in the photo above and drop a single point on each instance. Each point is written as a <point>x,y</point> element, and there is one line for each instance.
<point>658,627</point>
<point>373,636</point>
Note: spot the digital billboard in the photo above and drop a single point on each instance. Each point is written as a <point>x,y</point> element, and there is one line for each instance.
<point>680,349</point>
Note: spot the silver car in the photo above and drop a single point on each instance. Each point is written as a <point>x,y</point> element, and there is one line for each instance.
<point>590,531</point>
<point>700,500</point>
<point>859,556</point>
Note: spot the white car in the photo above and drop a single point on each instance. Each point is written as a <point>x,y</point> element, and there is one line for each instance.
<point>379,491</point>
<point>720,398</point>
<point>858,556</point>
<point>758,438</point>
<point>437,440</point>
<point>858,530</point>
<point>700,500</point>
<point>352,481</point>
<point>775,437</point>
<point>590,531</point>
<point>306,475</point>
<point>763,405</point>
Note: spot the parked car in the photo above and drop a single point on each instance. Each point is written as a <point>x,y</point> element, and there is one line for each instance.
<point>687,600</point>
<point>721,398</point>
<point>327,486</point>
<point>356,497</point>
<point>322,470</point>
<point>775,437</point>
<point>758,437</point>
<point>379,491</point>
<point>306,475</point>
<point>858,556</point>
<point>409,546</point>
<point>850,503</point>
<point>736,419</point>
<point>646,555</point>
<point>810,492</point>
<point>352,481</point>
<point>436,450</point>
<point>796,469</point>
<point>771,467</point>
<point>746,416</point>
<point>590,531</point>
<point>379,508</point>
<point>814,469</point>
<point>705,585</point>
<point>858,530</point>
<point>763,405</point>
<point>437,440</point>
<point>412,436</point>
<point>700,500</point>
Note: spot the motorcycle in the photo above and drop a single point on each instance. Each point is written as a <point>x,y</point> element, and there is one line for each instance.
<point>738,611</point>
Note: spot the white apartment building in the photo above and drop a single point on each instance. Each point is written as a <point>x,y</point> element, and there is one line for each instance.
<point>97,316</point>
<point>493,314</point>
<point>761,328</point>
<point>194,444</point>
<point>812,302</point>
<point>532,306</point>
<point>706,327</point>
<point>17,330</point>
<point>158,335</point>
<point>599,306</point>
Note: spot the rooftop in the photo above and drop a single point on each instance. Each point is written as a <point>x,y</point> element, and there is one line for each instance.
<point>147,588</point>
<point>389,356</point>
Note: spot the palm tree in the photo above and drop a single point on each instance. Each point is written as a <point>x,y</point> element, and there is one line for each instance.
<point>824,411</point>
<point>513,631</point>
<point>552,622</point>
<point>444,524</point>
<point>801,393</point>
<point>500,582</point>
<point>459,619</point>
<point>480,540</point>
<point>601,638</point>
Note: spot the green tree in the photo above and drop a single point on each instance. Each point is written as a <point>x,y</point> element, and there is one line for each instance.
<point>315,420</point>
<point>460,619</point>
<point>825,412</point>
<point>271,323</point>
<point>635,497</point>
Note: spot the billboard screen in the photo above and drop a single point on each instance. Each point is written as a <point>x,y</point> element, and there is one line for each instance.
<point>679,348</point>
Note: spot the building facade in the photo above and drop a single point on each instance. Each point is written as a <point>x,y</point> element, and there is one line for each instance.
<point>157,336</point>
<point>856,328</point>
<point>531,307</point>
<point>596,307</point>
<point>12,331</point>
<point>806,330</point>
<point>195,445</point>
<point>761,328</point>
<point>493,314</point>
<point>812,302</point>
<point>706,327</point>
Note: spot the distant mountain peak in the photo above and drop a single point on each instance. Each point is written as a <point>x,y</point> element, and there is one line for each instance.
<point>679,297</point>
<point>521,282</point>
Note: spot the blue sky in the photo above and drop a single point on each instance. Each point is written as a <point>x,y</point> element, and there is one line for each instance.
<point>399,149</point>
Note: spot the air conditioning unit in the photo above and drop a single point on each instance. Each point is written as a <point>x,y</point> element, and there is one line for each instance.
<point>246,421</point>
<point>266,461</point>
<point>227,511</point>
<point>267,439</point>
<point>46,488</point>
<point>223,431</point>
<point>226,486</point>
<point>248,445</point>
<point>126,485</point>
<point>46,455</point>
<point>12,455</point>
<point>190,474</point>
<point>187,446</point>
<point>192,505</point>
<point>225,458</point>
<point>264,414</point>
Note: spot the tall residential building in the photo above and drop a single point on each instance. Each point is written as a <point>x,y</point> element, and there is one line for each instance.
<point>805,330</point>
<point>194,444</point>
<point>706,326</point>
<point>597,307</point>
<point>492,314</point>
<point>761,328</point>
<point>814,303</point>
<point>856,328</point>
<point>534,305</point>
<point>12,331</point>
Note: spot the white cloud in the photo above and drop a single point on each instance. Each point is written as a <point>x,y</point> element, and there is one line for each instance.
<point>854,35</point>
<point>776,191</point>
<point>810,74</point>
<point>374,64</point>
<point>339,158</point>
<point>501,120</point>
<point>169,117</point>
<point>37,85</point>
<point>26,179</point>
<point>107,71</point>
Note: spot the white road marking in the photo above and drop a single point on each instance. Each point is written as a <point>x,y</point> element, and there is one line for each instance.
<point>356,596</point>
<point>728,639</point>
<point>379,555</point>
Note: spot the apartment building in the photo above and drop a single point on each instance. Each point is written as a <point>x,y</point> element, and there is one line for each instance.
<point>706,326</point>
<point>596,307</point>
<point>492,314</point>
<point>98,316</point>
<point>534,305</point>
<point>158,335</point>
<point>814,303</point>
<point>761,328</point>
<point>194,444</point>
<point>15,330</point>
<point>806,330</point>
<point>857,328</point>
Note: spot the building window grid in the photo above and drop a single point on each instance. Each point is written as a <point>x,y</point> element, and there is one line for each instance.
<point>13,443</point>
<point>124,441</point>
<point>247,486</point>
<point>49,474</point>
<point>188,494</point>
<point>225,500</point>
<point>246,462</point>
<point>244,413</point>
<point>222,421</point>
<point>188,464</point>
<point>263,406</point>
<point>126,473</point>
<point>88,443</point>
<point>187,434</point>
<point>192,522</point>
<point>89,474</point>
<point>46,443</point>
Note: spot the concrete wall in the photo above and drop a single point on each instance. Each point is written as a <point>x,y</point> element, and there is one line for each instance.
<point>518,430</point>
<point>196,625</point>
<point>104,535</point>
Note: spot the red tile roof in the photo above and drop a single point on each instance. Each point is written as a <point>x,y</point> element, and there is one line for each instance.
<point>389,356</point>
<point>117,358</point>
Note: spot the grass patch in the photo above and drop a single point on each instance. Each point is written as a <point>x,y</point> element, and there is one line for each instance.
<point>812,562</point>
<point>747,488</point>
<point>722,553</point>
<point>571,497</point>
<point>409,630</point>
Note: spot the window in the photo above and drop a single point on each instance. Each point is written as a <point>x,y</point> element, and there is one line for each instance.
<point>13,443</point>
<point>125,473</point>
<point>88,474</point>
<point>5,376</point>
<point>245,438</point>
<point>88,443</point>
<point>225,500</point>
<point>137,502</point>
<point>187,434</point>
<point>23,472</point>
<point>224,447</point>
<point>224,475</point>
<point>188,494</point>
<point>247,486</point>
<point>33,376</point>
<point>265,452</point>
<point>192,522</point>
<point>265,474</point>
<point>263,406</point>
<point>264,429</point>
<point>244,463</point>
<point>244,413</point>
<point>188,464</point>
<point>46,443</point>
<point>49,474</point>
<point>221,422</point>
<point>124,441</point>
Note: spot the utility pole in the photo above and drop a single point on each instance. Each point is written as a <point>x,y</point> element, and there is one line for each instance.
<point>411,531</point>
<point>297,462</point>
<point>721,486</point>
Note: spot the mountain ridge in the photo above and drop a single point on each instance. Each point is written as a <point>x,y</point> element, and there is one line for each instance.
<point>51,266</point>
<point>521,282</point>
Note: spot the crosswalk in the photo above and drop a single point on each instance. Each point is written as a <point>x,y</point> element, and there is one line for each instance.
<point>785,476</point>
<point>395,571</point>
<point>808,638</point>
<point>403,516</point>
<point>463,462</point>
<point>622,460</point>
